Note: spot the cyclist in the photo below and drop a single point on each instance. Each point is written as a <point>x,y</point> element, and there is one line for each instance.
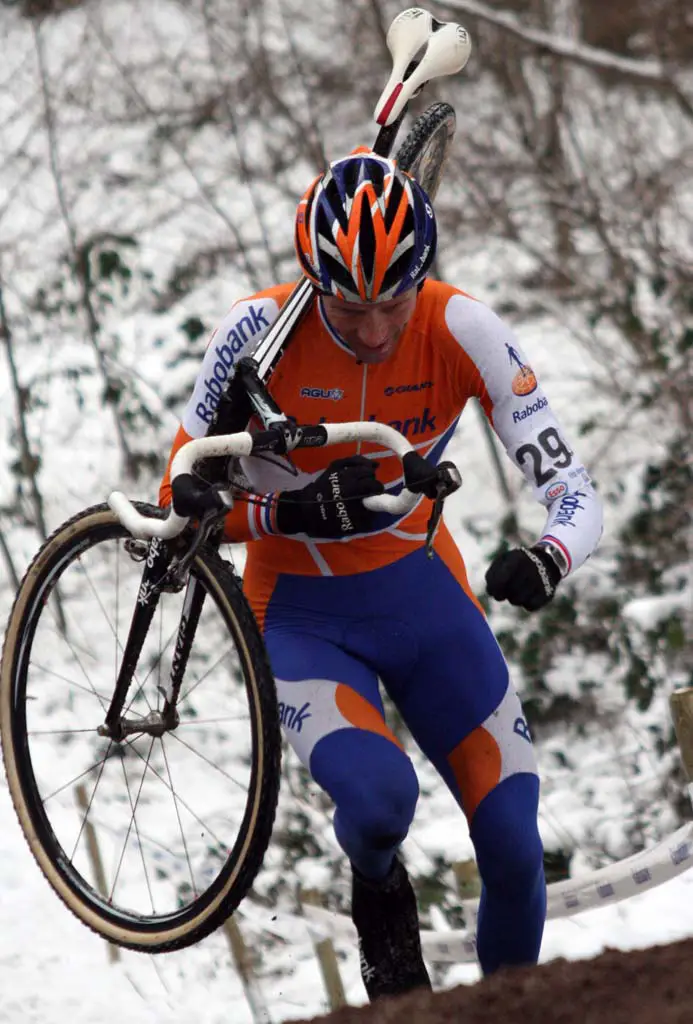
<point>348,597</point>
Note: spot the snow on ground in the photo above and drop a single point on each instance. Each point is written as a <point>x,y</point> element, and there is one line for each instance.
<point>55,970</point>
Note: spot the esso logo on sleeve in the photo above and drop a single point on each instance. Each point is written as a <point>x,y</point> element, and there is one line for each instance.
<point>556,490</point>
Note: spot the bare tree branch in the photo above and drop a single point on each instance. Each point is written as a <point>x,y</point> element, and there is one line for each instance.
<point>649,72</point>
<point>78,254</point>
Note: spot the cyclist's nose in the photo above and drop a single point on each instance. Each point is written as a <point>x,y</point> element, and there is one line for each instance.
<point>376,327</point>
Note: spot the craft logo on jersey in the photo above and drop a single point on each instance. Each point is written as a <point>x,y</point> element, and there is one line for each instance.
<point>524,382</point>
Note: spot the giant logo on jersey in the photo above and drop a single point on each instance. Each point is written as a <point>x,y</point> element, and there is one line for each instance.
<point>404,389</point>
<point>524,382</point>
<point>227,352</point>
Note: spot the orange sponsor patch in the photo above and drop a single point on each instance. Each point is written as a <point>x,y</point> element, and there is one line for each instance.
<point>476,765</point>
<point>357,710</point>
<point>524,381</point>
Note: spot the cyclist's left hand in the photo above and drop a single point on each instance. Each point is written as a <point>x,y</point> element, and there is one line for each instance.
<point>526,577</point>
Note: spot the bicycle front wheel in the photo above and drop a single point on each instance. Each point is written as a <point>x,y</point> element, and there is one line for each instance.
<point>425,148</point>
<point>152,840</point>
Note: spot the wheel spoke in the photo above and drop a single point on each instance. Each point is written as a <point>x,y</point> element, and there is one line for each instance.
<point>90,801</point>
<point>156,664</point>
<point>204,676</point>
<point>206,760</point>
<point>133,823</point>
<point>183,803</point>
<point>102,698</point>
<point>180,823</point>
<point>171,809</point>
<point>119,646</point>
<point>87,771</point>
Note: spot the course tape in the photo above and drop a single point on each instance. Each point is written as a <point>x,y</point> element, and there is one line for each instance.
<point>612,884</point>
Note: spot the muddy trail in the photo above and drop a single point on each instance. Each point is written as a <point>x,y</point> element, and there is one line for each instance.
<point>651,986</point>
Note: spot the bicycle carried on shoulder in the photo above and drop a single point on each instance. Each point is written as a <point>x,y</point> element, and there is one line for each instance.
<point>136,697</point>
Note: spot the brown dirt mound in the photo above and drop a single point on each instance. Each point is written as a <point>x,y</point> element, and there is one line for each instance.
<point>650,986</point>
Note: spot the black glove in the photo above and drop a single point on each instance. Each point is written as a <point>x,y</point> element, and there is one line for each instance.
<point>527,577</point>
<point>331,506</point>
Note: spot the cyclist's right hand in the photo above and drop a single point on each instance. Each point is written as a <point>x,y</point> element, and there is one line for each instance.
<point>194,499</point>
<point>331,506</point>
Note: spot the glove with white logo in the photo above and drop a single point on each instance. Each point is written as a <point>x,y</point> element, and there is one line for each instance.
<point>526,577</point>
<point>331,506</point>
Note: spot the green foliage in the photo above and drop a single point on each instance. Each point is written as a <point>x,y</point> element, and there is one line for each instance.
<point>193,328</point>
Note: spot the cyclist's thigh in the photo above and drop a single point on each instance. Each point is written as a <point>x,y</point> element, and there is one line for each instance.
<point>332,715</point>
<point>458,701</point>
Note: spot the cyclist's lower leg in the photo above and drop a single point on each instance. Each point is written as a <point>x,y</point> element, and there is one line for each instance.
<point>386,917</point>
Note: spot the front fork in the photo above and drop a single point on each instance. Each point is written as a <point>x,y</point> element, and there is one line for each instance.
<point>154,578</point>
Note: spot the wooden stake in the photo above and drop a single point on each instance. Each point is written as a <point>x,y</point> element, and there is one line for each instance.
<point>327,958</point>
<point>467,879</point>
<point>681,706</point>
<point>95,858</point>
<point>243,961</point>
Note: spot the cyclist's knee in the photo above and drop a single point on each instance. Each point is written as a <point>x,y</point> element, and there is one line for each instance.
<point>385,807</point>
<point>374,787</point>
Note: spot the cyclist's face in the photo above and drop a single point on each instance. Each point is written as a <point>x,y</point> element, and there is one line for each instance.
<point>371,329</point>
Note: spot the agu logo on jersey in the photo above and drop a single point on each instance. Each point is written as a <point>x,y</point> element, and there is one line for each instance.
<point>524,382</point>
<point>335,394</point>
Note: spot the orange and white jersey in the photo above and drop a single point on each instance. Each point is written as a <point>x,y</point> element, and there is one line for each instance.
<point>454,348</point>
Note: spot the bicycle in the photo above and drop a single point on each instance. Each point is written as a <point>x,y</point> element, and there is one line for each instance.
<point>192,644</point>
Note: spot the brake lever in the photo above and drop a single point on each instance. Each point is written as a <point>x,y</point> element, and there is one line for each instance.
<point>201,532</point>
<point>432,524</point>
<point>449,480</point>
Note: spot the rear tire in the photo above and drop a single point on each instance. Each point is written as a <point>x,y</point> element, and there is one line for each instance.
<point>184,818</point>
<point>425,148</point>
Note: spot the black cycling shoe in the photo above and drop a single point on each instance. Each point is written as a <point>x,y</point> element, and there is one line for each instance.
<point>387,922</point>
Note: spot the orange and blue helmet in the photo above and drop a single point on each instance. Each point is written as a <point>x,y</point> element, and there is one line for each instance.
<point>365,230</point>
